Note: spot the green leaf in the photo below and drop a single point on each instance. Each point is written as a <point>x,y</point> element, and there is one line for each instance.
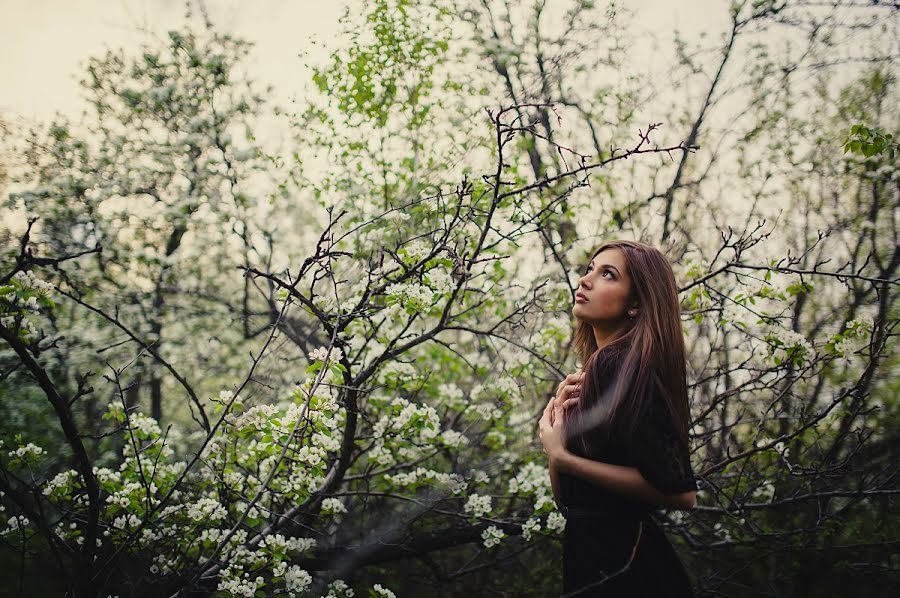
<point>314,367</point>
<point>799,287</point>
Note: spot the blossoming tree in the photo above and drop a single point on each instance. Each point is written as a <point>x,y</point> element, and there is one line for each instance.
<point>372,399</point>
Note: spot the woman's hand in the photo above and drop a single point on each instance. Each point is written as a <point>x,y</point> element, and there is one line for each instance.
<point>552,430</point>
<point>567,393</point>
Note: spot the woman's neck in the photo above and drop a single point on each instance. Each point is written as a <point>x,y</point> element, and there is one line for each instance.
<point>604,336</point>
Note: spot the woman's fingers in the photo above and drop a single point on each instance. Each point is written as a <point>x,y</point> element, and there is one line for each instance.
<point>567,391</point>
<point>548,411</point>
<point>569,403</point>
<point>568,380</point>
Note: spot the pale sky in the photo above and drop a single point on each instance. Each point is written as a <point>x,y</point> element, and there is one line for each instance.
<point>46,43</point>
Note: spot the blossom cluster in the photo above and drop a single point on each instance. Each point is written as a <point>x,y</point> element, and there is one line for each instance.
<point>15,523</point>
<point>412,296</point>
<point>339,588</point>
<point>532,479</point>
<point>382,591</point>
<point>333,506</point>
<point>29,280</point>
<point>778,446</point>
<point>27,451</point>
<point>418,424</point>
<point>440,280</point>
<point>529,527</point>
<point>324,355</point>
<point>478,505</point>
<point>25,293</point>
<point>451,395</point>
<point>556,521</point>
<point>421,475</point>
<point>492,536</point>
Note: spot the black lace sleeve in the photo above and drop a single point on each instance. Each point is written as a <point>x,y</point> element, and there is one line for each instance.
<point>658,453</point>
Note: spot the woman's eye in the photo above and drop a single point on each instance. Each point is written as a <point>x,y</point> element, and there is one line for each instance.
<point>607,272</point>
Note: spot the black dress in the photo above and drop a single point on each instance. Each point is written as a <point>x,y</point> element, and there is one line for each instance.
<point>611,545</point>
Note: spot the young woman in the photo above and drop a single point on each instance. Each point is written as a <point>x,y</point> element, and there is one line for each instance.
<point>616,433</point>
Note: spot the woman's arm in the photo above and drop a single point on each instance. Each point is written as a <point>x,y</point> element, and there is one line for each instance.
<point>628,481</point>
<point>554,481</point>
<point>619,478</point>
<point>568,388</point>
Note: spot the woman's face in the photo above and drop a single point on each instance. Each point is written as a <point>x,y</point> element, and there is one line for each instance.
<point>603,290</point>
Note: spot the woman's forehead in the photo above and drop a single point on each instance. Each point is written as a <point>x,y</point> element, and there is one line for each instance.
<point>610,255</point>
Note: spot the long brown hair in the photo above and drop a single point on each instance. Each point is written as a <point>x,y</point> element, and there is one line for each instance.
<point>648,352</point>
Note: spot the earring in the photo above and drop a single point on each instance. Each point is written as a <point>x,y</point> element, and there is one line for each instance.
<point>632,314</point>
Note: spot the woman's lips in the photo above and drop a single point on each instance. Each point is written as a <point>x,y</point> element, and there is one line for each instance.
<point>580,298</point>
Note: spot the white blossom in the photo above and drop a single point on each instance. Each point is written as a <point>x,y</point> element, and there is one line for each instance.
<point>440,280</point>
<point>296,579</point>
<point>487,410</point>
<point>403,372</point>
<point>532,525</point>
<point>338,586</point>
<point>542,500</point>
<point>382,591</point>
<point>765,492</point>
<point>722,532</point>
<point>452,394</point>
<point>492,536</point>
<point>300,544</point>
<point>29,280</point>
<point>323,354</point>
<point>333,506</point>
<point>255,418</point>
<point>242,587</point>
<point>555,521</point>
<point>412,295</point>
<point>28,450</point>
<point>478,505</point>
<point>416,250</point>
<point>509,388</point>
<point>206,509</point>
<point>328,443</point>
<point>15,523</point>
<point>453,439</point>
<point>145,424</point>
